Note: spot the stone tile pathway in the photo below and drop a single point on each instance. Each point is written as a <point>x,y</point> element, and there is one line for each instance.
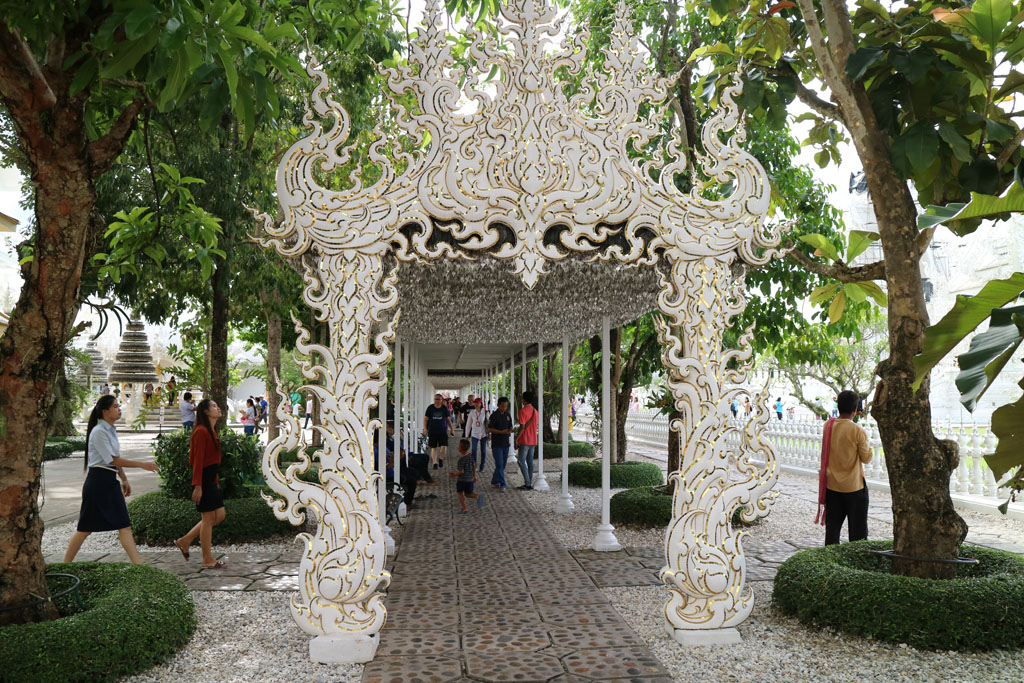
<point>492,596</point>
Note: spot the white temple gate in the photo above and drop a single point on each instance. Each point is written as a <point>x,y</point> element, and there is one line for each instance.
<point>534,189</point>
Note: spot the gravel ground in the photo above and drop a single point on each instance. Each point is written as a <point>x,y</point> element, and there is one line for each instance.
<point>247,636</point>
<point>777,647</point>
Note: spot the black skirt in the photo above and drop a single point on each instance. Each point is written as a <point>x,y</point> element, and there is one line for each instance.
<point>103,506</point>
<point>211,499</point>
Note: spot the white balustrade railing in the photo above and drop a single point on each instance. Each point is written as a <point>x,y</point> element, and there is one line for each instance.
<point>797,446</point>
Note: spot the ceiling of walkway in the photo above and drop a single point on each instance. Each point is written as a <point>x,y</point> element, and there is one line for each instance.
<point>480,311</point>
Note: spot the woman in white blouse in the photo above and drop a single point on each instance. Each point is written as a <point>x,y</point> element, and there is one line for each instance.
<point>476,430</point>
<point>103,506</point>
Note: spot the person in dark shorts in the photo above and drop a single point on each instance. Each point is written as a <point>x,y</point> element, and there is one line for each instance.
<point>204,455</point>
<point>437,425</point>
<point>466,473</point>
<point>103,506</point>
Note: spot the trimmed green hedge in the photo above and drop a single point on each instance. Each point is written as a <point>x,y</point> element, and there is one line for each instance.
<point>56,450</point>
<point>77,441</point>
<point>650,507</point>
<point>135,617</point>
<point>577,449</point>
<point>158,519</point>
<point>240,465</point>
<point>852,590</point>
<point>645,507</point>
<point>624,475</point>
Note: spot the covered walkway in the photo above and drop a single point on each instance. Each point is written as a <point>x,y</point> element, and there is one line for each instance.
<point>493,596</point>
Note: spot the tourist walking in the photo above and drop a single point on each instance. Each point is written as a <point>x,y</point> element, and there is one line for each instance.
<point>778,407</point>
<point>747,408</point>
<point>499,426</point>
<point>103,507</point>
<point>204,456</point>
<point>526,439</point>
<point>249,417</point>
<point>105,389</point>
<point>309,410</point>
<point>842,490</point>
<point>734,406</point>
<point>188,411</point>
<point>476,430</point>
<point>465,470</point>
<point>172,391</point>
<point>437,426</point>
<point>464,413</point>
<point>264,409</point>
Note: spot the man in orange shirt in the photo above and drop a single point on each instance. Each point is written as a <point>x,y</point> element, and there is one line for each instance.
<point>846,493</point>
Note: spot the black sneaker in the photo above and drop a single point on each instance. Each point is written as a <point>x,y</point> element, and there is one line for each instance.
<point>435,465</point>
<point>441,461</point>
<point>524,487</point>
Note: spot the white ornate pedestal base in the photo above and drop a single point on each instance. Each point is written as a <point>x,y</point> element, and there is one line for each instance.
<point>564,504</point>
<point>540,483</point>
<point>604,539</point>
<point>389,543</point>
<point>349,648</point>
<point>711,636</point>
<point>512,458</point>
<point>403,512</point>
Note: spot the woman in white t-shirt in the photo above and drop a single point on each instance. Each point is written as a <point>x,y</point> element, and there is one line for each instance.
<point>476,430</point>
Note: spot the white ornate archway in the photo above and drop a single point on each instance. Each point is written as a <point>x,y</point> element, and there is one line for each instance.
<point>532,177</point>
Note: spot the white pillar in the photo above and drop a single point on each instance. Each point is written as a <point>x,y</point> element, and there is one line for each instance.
<point>382,467</point>
<point>565,503</point>
<point>540,482</point>
<point>604,536</point>
<point>512,406</point>
<point>396,419</point>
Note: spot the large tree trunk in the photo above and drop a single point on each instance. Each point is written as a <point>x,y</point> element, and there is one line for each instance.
<point>926,526</point>
<point>221,284</point>
<point>273,371</point>
<point>61,419</point>
<point>32,356</point>
<point>619,417</point>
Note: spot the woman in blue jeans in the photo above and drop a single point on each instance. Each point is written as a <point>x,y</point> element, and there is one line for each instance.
<point>527,439</point>
<point>499,426</point>
<point>476,430</point>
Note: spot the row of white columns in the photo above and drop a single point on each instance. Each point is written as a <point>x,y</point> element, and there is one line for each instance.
<point>497,379</point>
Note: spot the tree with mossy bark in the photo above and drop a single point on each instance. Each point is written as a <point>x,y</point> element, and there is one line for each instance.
<point>918,90</point>
<point>74,82</point>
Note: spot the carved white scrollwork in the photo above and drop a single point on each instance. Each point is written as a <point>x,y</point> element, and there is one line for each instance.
<point>518,170</point>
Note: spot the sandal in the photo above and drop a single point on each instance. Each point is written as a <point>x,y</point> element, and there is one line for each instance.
<point>184,551</point>
<point>216,565</point>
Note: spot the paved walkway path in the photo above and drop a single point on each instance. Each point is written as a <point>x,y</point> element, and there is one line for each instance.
<point>493,596</point>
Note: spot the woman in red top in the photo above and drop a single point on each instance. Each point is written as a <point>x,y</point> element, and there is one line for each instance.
<point>204,457</point>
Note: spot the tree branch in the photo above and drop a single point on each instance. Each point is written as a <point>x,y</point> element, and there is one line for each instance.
<point>1010,148</point>
<point>838,271</point>
<point>806,95</point>
<point>105,150</point>
<point>23,86</point>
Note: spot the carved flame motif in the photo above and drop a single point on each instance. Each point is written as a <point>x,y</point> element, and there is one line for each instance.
<point>523,156</point>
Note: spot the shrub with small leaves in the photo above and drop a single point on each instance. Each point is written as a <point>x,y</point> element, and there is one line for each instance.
<point>624,475</point>
<point>848,588</point>
<point>649,507</point>
<point>134,618</point>
<point>56,450</point>
<point>158,519</point>
<point>577,449</point>
<point>240,466</point>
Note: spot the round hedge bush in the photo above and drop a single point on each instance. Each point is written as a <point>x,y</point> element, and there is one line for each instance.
<point>852,590</point>
<point>240,465</point>
<point>134,618</point>
<point>577,449</point>
<point>158,519</point>
<point>624,475</point>
<point>645,507</point>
